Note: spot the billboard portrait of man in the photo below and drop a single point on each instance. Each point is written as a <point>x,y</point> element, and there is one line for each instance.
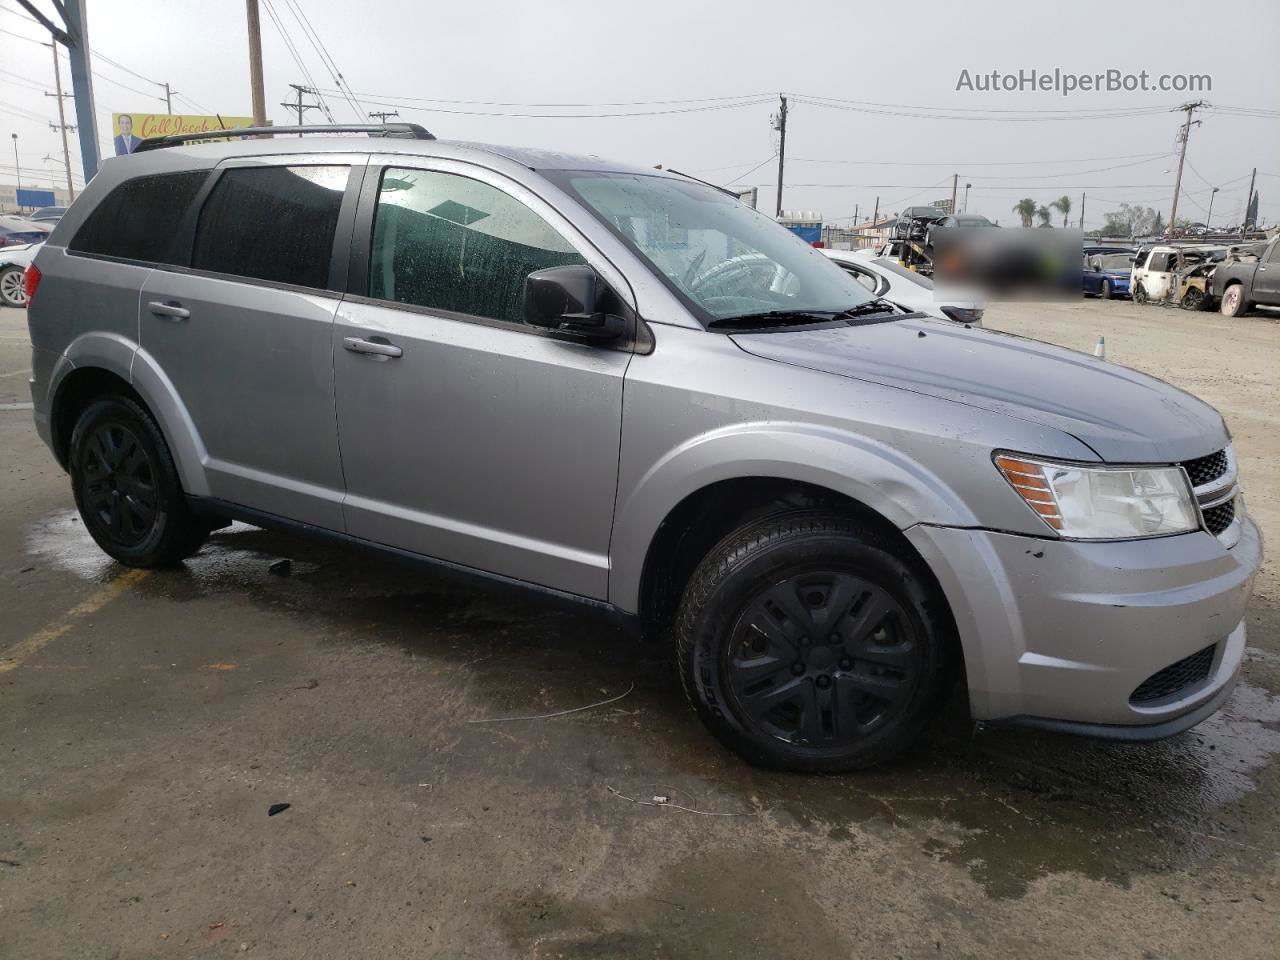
<point>125,141</point>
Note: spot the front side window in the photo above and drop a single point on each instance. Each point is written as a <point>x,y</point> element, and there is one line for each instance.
<point>720,256</point>
<point>1159,262</point>
<point>454,244</point>
<point>272,223</point>
<point>139,218</point>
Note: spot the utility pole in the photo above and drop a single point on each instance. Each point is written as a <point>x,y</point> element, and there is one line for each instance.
<point>17,163</point>
<point>966,198</point>
<point>1248,202</point>
<point>1082,196</point>
<point>780,124</point>
<point>168,99</point>
<point>955,184</point>
<point>383,114</point>
<point>855,214</point>
<point>62,119</point>
<point>255,64</point>
<point>875,216</point>
<point>1183,136</point>
<point>300,106</point>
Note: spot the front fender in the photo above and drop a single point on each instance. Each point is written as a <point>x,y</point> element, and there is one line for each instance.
<point>878,476</point>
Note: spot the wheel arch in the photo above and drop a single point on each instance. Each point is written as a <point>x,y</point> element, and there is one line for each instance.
<point>98,364</point>
<point>686,504</point>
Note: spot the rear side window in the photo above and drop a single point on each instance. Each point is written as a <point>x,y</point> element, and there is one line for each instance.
<point>138,219</point>
<point>272,223</point>
<point>456,244</point>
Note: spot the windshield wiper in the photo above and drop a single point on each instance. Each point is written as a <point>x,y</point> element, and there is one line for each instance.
<point>878,305</point>
<point>776,318</point>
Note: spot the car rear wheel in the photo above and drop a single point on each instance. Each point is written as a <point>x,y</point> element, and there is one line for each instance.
<point>807,642</point>
<point>12,293</point>
<point>1233,304</point>
<point>127,489</point>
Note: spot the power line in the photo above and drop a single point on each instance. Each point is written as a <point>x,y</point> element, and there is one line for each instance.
<point>326,58</point>
<point>972,163</point>
<point>400,105</point>
<point>297,58</point>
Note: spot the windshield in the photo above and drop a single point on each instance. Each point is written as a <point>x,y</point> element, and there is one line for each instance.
<point>720,256</point>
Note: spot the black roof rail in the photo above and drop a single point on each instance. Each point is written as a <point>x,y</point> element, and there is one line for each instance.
<point>410,131</point>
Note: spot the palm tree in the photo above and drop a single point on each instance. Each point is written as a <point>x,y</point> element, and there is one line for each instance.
<point>1026,209</point>
<point>1043,214</point>
<point>1063,205</point>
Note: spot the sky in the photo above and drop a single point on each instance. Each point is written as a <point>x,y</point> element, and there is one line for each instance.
<point>874,109</point>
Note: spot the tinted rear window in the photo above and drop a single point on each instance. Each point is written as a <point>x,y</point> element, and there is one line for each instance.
<point>272,223</point>
<point>138,219</point>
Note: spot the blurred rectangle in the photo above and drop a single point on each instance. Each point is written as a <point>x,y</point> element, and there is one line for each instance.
<point>1039,263</point>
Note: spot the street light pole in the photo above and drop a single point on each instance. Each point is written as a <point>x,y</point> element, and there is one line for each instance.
<point>1208,221</point>
<point>966,197</point>
<point>17,164</point>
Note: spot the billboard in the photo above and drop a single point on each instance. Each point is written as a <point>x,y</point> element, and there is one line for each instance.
<point>36,198</point>
<point>130,129</point>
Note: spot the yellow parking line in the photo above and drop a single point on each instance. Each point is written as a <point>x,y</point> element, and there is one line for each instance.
<point>22,651</point>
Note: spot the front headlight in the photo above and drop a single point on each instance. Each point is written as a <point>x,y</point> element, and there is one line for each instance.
<point>1103,503</point>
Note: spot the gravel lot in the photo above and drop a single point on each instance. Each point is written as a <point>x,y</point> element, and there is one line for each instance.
<point>148,722</point>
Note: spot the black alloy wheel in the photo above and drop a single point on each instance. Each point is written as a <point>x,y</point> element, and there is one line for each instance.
<point>119,484</point>
<point>127,488</point>
<point>821,657</point>
<point>809,641</point>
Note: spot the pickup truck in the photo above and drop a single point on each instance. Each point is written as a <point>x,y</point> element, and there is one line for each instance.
<point>1239,284</point>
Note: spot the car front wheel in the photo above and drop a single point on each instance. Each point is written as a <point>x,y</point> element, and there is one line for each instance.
<point>808,642</point>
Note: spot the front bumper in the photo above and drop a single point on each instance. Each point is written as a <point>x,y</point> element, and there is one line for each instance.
<point>1061,634</point>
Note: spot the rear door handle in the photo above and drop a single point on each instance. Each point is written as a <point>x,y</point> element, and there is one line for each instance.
<point>171,309</point>
<point>378,348</point>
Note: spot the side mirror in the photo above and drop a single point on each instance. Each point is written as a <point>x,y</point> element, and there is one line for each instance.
<point>568,299</point>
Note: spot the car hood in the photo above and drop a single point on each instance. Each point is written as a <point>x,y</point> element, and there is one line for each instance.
<point>1123,415</point>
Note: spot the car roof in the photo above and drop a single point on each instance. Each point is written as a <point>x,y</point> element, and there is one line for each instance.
<point>532,158</point>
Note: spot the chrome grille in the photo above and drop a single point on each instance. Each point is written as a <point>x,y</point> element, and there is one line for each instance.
<point>1215,485</point>
<point>1204,470</point>
<point>1176,678</point>
<point>1218,518</point>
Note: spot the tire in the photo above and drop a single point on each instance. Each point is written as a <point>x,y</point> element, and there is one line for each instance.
<point>1139,294</point>
<point>807,642</point>
<point>1233,303</point>
<point>1105,292</point>
<point>1193,299</point>
<point>12,293</point>
<point>127,489</point>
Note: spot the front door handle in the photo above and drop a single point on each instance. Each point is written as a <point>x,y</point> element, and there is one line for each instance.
<point>171,309</point>
<point>377,348</point>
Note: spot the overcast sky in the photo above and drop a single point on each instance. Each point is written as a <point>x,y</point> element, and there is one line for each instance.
<point>603,51</point>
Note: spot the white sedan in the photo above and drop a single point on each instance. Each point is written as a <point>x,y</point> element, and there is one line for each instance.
<point>13,264</point>
<point>888,279</point>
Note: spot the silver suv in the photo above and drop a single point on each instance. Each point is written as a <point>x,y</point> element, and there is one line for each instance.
<point>627,389</point>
